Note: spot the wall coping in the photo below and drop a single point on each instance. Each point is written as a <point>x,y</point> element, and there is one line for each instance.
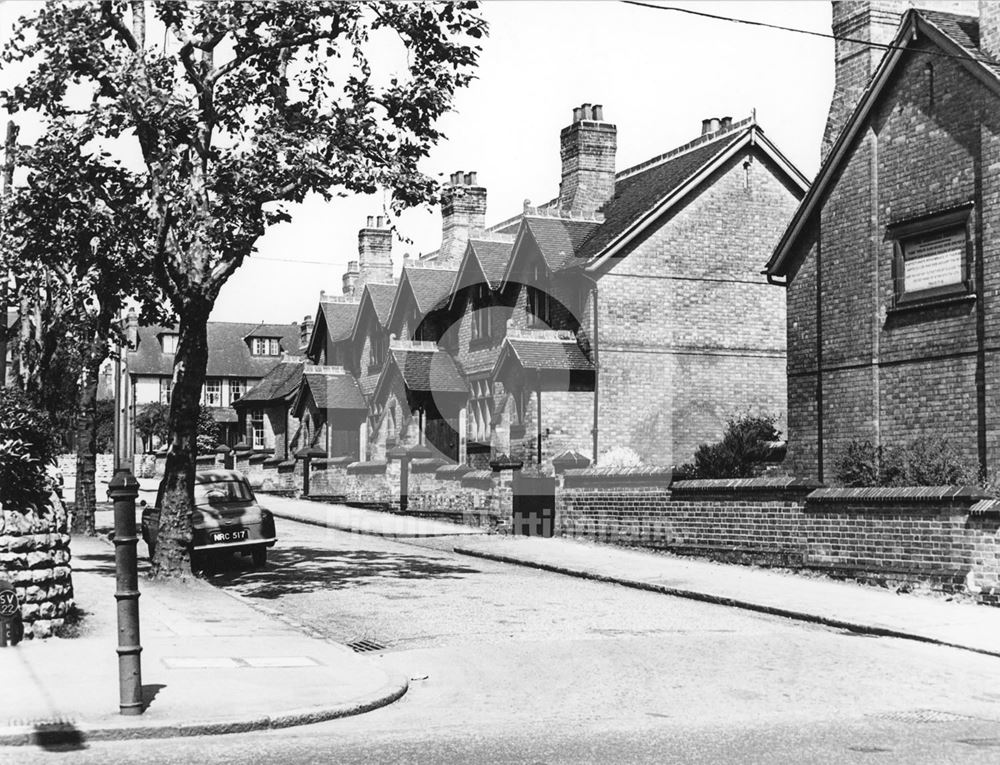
<point>271,461</point>
<point>256,459</point>
<point>618,476</point>
<point>366,468</point>
<point>477,478</point>
<point>286,466</point>
<point>738,486</point>
<point>910,495</point>
<point>428,465</point>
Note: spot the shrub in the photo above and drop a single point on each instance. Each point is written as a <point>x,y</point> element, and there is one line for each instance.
<point>28,445</point>
<point>208,431</point>
<point>620,456</point>
<point>924,461</point>
<point>745,449</point>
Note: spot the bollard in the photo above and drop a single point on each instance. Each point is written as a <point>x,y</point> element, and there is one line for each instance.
<point>123,491</point>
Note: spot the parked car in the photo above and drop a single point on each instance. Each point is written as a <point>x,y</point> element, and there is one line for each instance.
<point>226,518</point>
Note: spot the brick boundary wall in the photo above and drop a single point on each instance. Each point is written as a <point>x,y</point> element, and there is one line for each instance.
<point>35,556</point>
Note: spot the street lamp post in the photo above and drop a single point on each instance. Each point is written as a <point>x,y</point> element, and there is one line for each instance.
<point>123,490</point>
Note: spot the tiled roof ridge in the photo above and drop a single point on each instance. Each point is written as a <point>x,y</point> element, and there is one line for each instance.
<point>328,370</point>
<point>425,346</point>
<point>542,335</point>
<point>491,236</point>
<point>420,265</point>
<point>564,215</point>
<point>340,299</point>
<point>683,149</point>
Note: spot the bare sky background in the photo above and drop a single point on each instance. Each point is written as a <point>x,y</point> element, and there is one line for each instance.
<point>657,73</point>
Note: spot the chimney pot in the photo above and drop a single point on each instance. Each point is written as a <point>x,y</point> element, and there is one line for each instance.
<point>727,122</point>
<point>470,178</point>
<point>586,112</point>
<point>706,127</point>
<point>322,294</point>
<point>714,125</point>
<point>578,114</point>
<point>378,221</point>
<point>587,152</point>
<point>598,113</point>
<point>371,221</point>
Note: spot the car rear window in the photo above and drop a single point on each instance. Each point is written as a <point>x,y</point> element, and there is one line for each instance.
<point>230,491</point>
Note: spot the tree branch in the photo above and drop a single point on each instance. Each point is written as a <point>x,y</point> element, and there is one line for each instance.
<point>108,14</point>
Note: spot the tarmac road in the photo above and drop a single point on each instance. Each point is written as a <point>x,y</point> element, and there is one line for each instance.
<point>509,664</point>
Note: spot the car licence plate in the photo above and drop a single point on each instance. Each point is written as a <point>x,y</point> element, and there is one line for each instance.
<point>236,535</point>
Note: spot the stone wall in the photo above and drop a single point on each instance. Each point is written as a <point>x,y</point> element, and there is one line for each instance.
<point>105,467</point>
<point>35,556</point>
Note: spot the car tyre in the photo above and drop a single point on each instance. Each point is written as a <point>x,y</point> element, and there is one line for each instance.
<point>259,556</point>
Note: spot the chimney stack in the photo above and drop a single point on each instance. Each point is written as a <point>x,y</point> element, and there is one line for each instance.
<point>989,28</point>
<point>351,277</point>
<point>587,148</point>
<point>374,255</point>
<point>463,209</point>
<point>305,330</point>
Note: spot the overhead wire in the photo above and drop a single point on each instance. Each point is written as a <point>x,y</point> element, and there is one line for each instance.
<point>782,28</point>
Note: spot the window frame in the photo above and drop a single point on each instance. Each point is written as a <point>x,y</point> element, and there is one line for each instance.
<point>909,232</point>
<point>174,340</point>
<point>255,417</point>
<point>265,346</point>
<point>166,389</point>
<point>213,384</point>
<point>237,388</point>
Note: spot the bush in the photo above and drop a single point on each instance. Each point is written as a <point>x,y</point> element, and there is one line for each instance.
<point>28,445</point>
<point>620,456</point>
<point>924,461</point>
<point>208,431</point>
<point>745,449</point>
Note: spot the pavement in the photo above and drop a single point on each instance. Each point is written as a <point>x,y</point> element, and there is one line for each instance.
<point>860,608</point>
<point>211,663</point>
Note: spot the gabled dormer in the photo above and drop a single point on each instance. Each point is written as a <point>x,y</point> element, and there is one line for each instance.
<point>420,308</point>
<point>369,341</point>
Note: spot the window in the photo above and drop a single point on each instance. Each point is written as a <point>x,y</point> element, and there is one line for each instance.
<point>213,392</point>
<point>166,386</point>
<point>932,257</point>
<point>482,321</point>
<point>376,350</point>
<point>537,303</point>
<point>237,387</point>
<point>265,346</point>
<point>257,428</point>
<point>481,410</point>
<point>169,343</point>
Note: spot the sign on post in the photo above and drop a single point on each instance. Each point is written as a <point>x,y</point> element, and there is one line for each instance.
<point>10,615</point>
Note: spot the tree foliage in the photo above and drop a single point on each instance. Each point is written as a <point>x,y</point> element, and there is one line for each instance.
<point>228,110</point>
<point>747,446</point>
<point>152,420</point>
<point>28,445</point>
<point>925,461</point>
<point>208,431</point>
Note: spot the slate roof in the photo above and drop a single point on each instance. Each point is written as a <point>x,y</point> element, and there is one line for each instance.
<point>382,296</point>
<point>637,193</point>
<point>431,287</point>
<point>560,355</point>
<point>228,351</point>
<point>433,371</point>
<point>964,30</point>
<point>281,382</point>
<point>560,239</point>
<point>493,258</point>
<point>339,318</point>
<point>331,390</point>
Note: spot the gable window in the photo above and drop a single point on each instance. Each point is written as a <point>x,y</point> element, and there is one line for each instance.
<point>237,388</point>
<point>257,428</point>
<point>932,257</point>
<point>481,409</point>
<point>169,343</point>
<point>537,304</point>
<point>166,386</point>
<point>213,392</point>
<point>376,350</point>
<point>264,346</point>
<point>482,322</point>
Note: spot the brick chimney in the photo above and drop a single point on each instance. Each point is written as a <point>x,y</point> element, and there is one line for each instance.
<point>463,211</point>
<point>989,28</point>
<point>374,253</point>
<point>305,330</point>
<point>587,148</point>
<point>351,278</point>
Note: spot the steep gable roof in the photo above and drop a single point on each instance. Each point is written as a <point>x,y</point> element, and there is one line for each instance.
<point>330,388</point>
<point>424,369</point>
<point>543,351</point>
<point>281,382</point>
<point>956,35</point>
<point>228,350</point>
<point>429,289</point>
<point>335,319</point>
<point>376,299</point>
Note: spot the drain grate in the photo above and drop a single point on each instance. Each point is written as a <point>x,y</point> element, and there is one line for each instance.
<point>365,646</point>
<point>922,716</point>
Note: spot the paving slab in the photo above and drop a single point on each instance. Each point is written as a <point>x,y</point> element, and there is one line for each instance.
<point>361,521</point>
<point>211,663</point>
<point>847,605</point>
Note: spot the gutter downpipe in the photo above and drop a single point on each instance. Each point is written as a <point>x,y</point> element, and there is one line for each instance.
<point>594,357</point>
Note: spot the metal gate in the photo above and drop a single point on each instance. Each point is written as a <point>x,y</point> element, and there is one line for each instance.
<point>534,505</point>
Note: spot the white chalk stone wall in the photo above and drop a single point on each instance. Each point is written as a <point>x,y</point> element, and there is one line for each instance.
<point>35,557</point>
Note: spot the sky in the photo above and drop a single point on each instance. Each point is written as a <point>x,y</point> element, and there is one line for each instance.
<point>657,73</point>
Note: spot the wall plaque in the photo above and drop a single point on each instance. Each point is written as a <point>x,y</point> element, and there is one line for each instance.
<point>935,260</point>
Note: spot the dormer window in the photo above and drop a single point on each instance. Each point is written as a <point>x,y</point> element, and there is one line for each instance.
<point>169,343</point>
<point>482,325</point>
<point>264,346</point>
<point>537,304</point>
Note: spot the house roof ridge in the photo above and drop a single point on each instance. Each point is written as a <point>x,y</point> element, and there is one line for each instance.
<point>698,142</point>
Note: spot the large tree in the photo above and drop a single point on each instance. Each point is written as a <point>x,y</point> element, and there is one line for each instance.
<point>74,248</point>
<point>234,108</point>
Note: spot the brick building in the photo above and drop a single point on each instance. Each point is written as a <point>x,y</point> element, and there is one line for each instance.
<point>492,345</point>
<point>891,262</point>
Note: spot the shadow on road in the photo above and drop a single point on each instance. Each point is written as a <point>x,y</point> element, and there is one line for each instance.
<point>303,569</point>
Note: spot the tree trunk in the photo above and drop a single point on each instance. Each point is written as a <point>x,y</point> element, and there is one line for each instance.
<point>85,496</point>
<point>172,559</point>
